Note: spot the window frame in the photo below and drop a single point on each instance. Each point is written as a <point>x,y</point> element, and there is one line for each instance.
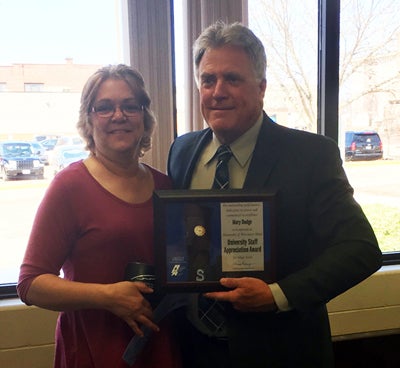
<point>328,86</point>
<point>328,81</point>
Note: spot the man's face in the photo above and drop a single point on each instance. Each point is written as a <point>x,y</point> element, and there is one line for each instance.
<point>231,97</point>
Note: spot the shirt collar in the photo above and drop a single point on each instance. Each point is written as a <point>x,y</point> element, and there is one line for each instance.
<point>242,148</point>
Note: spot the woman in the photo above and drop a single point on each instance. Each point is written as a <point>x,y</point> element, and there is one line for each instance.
<point>95,218</point>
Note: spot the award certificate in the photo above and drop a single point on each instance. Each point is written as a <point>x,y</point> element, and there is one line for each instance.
<point>203,235</point>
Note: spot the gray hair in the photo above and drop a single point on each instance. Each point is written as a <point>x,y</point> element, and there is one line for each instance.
<point>221,34</point>
<point>135,81</point>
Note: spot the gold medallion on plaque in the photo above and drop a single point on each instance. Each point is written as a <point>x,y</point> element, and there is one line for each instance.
<point>199,230</point>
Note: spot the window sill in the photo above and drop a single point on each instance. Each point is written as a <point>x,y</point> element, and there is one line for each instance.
<point>370,308</point>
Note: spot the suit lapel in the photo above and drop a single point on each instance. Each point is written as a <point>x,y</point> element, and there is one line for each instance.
<point>266,154</point>
<point>201,141</point>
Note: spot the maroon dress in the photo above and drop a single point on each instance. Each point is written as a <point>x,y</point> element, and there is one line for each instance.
<point>91,235</point>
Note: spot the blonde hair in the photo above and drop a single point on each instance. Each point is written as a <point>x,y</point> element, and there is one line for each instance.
<point>135,81</point>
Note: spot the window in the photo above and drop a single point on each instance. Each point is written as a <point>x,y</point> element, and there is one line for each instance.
<point>46,53</point>
<point>288,30</point>
<point>369,81</point>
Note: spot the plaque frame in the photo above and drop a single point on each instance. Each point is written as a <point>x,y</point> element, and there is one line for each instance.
<point>171,236</point>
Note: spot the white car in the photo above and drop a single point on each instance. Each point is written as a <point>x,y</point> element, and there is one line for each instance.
<point>66,155</point>
<point>41,152</point>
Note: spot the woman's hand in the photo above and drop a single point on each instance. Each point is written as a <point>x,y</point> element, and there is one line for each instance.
<point>126,301</point>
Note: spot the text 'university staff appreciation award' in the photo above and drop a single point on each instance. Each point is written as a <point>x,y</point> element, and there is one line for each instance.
<point>242,236</point>
<point>203,235</point>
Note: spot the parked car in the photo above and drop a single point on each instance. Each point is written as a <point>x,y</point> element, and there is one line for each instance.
<point>69,140</point>
<point>363,145</point>
<point>18,161</point>
<point>49,144</point>
<point>66,155</point>
<point>40,151</point>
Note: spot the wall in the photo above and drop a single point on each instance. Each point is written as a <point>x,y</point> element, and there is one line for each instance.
<point>27,335</point>
<point>370,309</point>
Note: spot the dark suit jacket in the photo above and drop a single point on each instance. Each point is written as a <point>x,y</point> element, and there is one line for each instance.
<point>325,243</point>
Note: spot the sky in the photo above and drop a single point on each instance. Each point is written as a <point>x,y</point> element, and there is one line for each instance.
<point>48,31</point>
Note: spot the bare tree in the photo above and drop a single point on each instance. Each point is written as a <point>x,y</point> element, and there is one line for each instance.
<point>288,29</point>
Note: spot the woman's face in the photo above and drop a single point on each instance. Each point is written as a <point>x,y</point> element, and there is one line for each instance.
<point>117,134</point>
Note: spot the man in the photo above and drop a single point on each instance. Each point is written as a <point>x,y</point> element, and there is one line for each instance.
<point>325,244</point>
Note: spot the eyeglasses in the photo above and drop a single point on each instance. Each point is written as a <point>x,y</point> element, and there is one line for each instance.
<point>107,109</point>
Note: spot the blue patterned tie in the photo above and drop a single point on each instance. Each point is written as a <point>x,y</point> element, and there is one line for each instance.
<point>221,179</point>
<point>210,312</point>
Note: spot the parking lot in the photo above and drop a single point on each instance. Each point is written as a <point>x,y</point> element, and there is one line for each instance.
<point>374,182</point>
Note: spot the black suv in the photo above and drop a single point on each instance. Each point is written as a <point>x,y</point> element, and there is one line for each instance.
<point>364,145</point>
<point>17,160</point>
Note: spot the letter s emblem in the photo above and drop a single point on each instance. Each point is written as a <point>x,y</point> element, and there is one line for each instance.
<point>200,275</point>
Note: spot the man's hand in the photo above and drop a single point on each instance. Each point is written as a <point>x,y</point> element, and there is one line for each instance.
<point>248,294</point>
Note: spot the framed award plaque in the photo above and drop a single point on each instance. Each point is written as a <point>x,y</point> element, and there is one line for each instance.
<point>203,235</point>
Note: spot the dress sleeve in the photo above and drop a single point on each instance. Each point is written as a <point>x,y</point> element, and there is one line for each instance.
<point>51,236</point>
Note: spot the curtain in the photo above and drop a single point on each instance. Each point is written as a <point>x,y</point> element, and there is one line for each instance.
<point>150,47</point>
<point>199,15</point>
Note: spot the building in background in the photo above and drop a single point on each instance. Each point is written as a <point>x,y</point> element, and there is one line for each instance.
<point>41,99</point>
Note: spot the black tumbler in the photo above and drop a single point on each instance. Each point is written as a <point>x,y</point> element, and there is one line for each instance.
<point>138,271</point>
